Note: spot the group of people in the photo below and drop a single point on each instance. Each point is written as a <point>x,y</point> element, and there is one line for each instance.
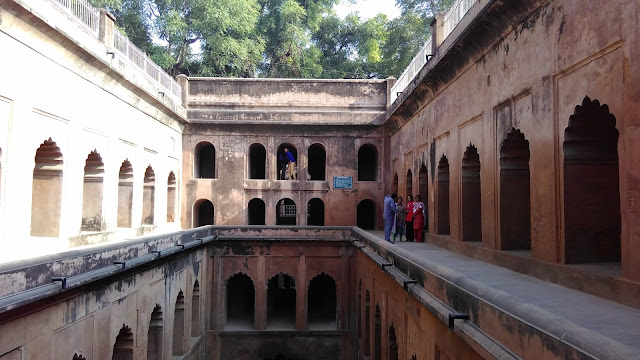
<point>401,219</point>
<point>287,161</point>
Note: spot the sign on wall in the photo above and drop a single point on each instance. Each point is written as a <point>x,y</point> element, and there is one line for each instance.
<point>342,182</point>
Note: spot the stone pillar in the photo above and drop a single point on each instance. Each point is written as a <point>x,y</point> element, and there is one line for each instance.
<point>260,306</point>
<point>107,25</point>
<point>301,294</point>
<point>391,81</point>
<point>183,81</point>
<point>437,32</point>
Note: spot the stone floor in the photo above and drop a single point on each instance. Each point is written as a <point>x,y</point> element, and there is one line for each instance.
<point>606,318</point>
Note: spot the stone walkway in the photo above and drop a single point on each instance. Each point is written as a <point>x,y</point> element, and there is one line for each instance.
<point>612,320</point>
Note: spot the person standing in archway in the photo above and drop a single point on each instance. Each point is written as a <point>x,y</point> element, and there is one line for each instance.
<point>418,219</point>
<point>408,220</point>
<point>292,163</point>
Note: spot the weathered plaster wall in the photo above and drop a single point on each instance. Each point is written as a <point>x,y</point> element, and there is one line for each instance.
<point>529,74</point>
<point>50,87</point>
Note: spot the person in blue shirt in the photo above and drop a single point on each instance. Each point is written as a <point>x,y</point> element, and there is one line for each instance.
<point>389,213</point>
<point>292,163</point>
<point>282,166</point>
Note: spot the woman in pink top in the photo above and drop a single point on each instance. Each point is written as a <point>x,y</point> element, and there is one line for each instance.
<point>408,220</point>
<point>418,219</point>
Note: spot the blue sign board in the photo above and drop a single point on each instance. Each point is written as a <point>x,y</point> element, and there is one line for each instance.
<point>343,182</point>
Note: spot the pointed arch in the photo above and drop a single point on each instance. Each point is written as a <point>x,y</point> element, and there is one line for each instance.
<point>322,302</point>
<point>393,343</point>
<point>409,184</point>
<point>155,335</point>
<point>46,192</point>
<point>125,194</point>
<point>394,187</point>
<point>592,219</point>
<point>148,196</point>
<point>92,191</point>
<point>240,301</point>
<point>281,301</point>
<point>171,197</point>
<point>423,191</point>
<point>515,202</point>
<point>443,196</point>
<point>367,323</point>
<point>178,326</point>
<point>195,309</point>
<point>123,347</point>
<point>471,195</point>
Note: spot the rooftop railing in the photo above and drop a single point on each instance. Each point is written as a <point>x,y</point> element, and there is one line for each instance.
<point>451,19</point>
<point>83,11</point>
<point>89,17</point>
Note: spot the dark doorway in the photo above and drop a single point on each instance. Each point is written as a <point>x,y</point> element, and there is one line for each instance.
<point>423,190</point>
<point>317,162</point>
<point>195,309</point>
<point>366,214</point>
<point>591,185</point>
<point>283,171</point>
<point>178,326</point>
<point>202,213</point>
<point>322,302</point>
<point>286,212</point>
<point>257,161</point>
<point>281,302</point>
<point>205,161</point>
<point>409,184</point>
<point>367,163</point>
<point>393,343</point>
<point>240,302</point>
<point>378,335</point>
<point>443,196</point>
<point>123,348</point>
<point>515,203</point>
<point>315,212</point>
<point>256,212</point>
<point>471,197</point>
<point>155,335</point>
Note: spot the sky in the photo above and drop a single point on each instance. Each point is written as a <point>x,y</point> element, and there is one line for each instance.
<point>368,8</point>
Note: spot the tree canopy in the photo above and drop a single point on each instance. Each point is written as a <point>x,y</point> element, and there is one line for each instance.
<point>273,38</point>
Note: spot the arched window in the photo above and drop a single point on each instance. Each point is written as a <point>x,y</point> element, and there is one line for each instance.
<point>367,323</point>
<point>257,211</point>
<point>92,191</point>
<point>315,212</point>
<point>148,196</point>
<point>281,302</point>
<point>443,196</point>
<point>378,335</point>
<point>240,302</point>
<point>204,161</point>
<point>125,194</point>
<point>257,161</point>
<point>515,202</point>
<point>367,163</point>
<point>46,190</point>
<point>592,219</point>
<point>78,357</point>
<point>317,162</point>
<point>393,343</point>
<point>394,188</point>
<point>123,347</point>
<point>195,310</point>
<point>284,170</point>
<point>366,214</point>
<point>409,184</point>
<point>286,212</point>
<point>322,303</point>
<point>203,213</point>
<point>171,197</point>
<point>155,335</point>
<point>178,326</point>
<point>471,196</point>
<point>423,190</point>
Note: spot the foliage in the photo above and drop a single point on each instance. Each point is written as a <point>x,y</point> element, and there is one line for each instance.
<point>273,38</point>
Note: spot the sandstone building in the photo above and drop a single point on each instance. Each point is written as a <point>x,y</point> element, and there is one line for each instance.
<point>516,123</point>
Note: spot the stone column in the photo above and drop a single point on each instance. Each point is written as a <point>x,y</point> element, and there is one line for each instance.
<point>391,81</point>
<point>301,294</point>
<point>183,81</point>
<point>107,26</point>
<point>260,312</point>
<point>437,32</point>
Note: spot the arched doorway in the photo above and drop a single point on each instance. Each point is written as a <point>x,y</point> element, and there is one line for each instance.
<point>203,213</point>
<point>281,302</point>
<point>471,196</point>
<point>317,162</point>
<point>204,161</point>
<point>123,347</point>
<point>286,212</point>
<point>366,214</point>
<point>443,196</point>
<point>367,163</point>
<point>282,161</point>
<point>92,191</point>
<point>257,161</point>
<point>256,209</point>
<point>315,212</point>
<point>178,326</point>
<point>155,334</point>
<point>46,193</point>
<point>240,302</point>
<point>423,190</point>
<point>125,194</point>
<point>322,303</point>
<point>148,196</point>
<point>409,184</point>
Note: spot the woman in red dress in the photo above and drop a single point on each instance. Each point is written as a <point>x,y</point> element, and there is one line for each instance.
<point>418,218</point>
<point>409,219</point>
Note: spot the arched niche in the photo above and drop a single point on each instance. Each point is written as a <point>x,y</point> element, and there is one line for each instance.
<point>204,161</point>
<point>92,193</point>
<point>256,212</point>
<point>203,213</point>
<point>471,196</point>
<point>257,161</point>
<point>125,194</point>
<point>315,212</point>
<point>46,193</point>
<point>317,158</point>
